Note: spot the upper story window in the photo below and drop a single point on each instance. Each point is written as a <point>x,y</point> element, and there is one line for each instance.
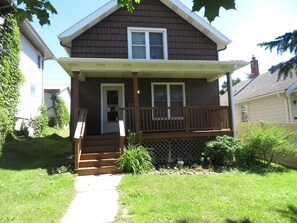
<point>147,43</point>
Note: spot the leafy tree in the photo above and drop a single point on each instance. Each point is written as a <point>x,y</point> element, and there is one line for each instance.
<point>284,43</point>
<point>224,86</point>
<point>43,8</point>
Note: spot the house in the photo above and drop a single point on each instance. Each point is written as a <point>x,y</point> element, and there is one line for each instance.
<point>155,72</point>
<point>34,52</point>
<point>265,98</point>
<point>61,90</point>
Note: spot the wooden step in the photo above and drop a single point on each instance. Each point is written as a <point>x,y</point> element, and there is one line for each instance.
<point>107,155</point>
<point>109,142</point>
<point>98,170</point>
<point>102,137</point>
<point>97,163</point>
<point>100,149</point>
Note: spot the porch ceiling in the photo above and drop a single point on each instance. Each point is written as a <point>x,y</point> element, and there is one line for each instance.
<point>98,67</point>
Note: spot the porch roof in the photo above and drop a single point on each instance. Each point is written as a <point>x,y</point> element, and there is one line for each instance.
<point>98,67</point>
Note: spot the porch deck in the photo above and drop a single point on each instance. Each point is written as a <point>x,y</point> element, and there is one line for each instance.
<point>171,133</point>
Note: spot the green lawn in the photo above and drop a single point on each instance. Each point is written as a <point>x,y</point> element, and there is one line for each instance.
<point>231,198</point>
<point>30,188</point>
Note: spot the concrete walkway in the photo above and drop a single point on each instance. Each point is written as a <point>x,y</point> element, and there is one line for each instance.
<point>96,200</point>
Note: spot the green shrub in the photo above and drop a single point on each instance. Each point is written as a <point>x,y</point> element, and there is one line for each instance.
<point>62,117</point>
<point>269,142</point>
<point>40,122</point>
<point>221,151</point>
<point>136,159</point>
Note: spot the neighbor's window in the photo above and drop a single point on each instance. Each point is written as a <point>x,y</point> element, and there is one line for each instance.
<point>147,43</point>
<point>33,89</point>
<point>244,113</point>
<point>39,62</point>
<point>168,95</point>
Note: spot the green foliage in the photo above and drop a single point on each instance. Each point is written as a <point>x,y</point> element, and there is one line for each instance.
<point>136,158</point>
<point>268,142</point>
<point>222,150</point>
<point>62,117</point>
<point>40,8</point>
<point>40,122</point>
<point>3,126</point>
<point>10,75</point>
<point>284,43</point>
<point>225,86</point>
<point>212,7</point>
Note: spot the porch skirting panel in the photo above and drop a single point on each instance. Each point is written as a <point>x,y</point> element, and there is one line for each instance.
<point>170,150</point>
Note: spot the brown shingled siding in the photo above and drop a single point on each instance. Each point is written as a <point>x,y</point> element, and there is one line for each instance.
<point>108,38</point>
<point>198,92</point>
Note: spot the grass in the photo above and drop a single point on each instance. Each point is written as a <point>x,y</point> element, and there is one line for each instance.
<point>236,197</point>
<point>30,188</point>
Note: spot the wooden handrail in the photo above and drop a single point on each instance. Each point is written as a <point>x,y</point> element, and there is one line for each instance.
<point>79,134</point>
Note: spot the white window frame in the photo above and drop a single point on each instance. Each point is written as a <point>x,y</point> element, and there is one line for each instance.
<point>167,84</point>
<point>147,45</point>
<point>246,111</point>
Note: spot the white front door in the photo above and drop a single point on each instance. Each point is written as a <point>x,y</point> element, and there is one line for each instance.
<point>112,98</point>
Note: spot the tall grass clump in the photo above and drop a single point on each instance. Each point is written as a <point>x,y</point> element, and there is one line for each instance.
<point>136,158</point>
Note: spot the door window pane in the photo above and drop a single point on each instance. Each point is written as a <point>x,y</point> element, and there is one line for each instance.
<point>112,105</point>
<point>112,98</point>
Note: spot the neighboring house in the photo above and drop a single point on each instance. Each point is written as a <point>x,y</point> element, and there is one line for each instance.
<point>60,90</point>
<point>34,52</point>
<point>155,72</point>
<point>265,98</point>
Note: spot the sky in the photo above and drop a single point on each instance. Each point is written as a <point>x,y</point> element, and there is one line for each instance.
<point>253,22</point>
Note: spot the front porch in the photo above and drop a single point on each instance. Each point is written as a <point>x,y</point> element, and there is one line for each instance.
<point>133,96</point>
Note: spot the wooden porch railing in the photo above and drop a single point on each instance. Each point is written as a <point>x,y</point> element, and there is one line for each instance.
<point>122,133</point>
<point>79,134</point>
<point>189,118</point>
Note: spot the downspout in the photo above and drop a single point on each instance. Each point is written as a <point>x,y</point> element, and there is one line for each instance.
<point>42,94</point>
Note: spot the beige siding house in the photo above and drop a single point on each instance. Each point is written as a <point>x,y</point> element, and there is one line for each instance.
<point>265,98</point>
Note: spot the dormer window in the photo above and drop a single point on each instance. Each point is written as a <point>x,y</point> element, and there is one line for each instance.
<point>147,43</point>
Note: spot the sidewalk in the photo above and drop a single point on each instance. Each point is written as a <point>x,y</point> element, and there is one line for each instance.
<point>96,199</point>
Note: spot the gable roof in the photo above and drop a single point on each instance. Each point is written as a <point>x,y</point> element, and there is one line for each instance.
<point>86,23</point>
<point>263,85</point>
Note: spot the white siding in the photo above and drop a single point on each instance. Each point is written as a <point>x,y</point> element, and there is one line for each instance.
<point>29,103</point>
<point>271,108</point>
